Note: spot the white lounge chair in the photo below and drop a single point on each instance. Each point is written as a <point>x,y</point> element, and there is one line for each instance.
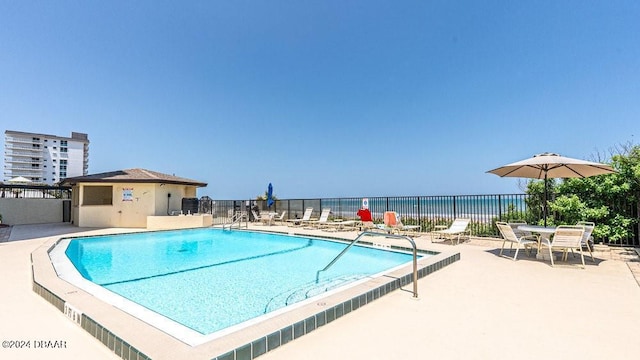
<point>280,218</point>
<point>413,230</point>
<point>305,217</point>
<point>508,234</point>
<point>456,230</point>
<point>322,221</point>
<point>366,221</point>
<point>565,238</point>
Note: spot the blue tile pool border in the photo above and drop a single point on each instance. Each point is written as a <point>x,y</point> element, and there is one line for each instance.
<point>303,327</point>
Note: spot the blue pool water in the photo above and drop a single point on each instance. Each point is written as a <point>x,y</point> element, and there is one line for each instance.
<point>209,279</point>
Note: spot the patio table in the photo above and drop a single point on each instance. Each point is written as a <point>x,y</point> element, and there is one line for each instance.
<point>545,233</point>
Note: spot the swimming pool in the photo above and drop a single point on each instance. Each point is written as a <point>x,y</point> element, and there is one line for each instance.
<point>209,280</point>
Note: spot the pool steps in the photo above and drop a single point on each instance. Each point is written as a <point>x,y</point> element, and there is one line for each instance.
<point>308,290</point>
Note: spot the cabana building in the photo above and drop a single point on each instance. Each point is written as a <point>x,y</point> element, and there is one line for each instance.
<point>135,198</point>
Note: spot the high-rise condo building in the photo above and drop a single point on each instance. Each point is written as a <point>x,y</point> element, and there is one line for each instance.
<point>45,159</point>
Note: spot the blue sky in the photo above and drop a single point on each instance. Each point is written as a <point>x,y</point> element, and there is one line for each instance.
<point>324,98</point>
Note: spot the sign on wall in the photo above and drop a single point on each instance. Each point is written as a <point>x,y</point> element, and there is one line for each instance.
<point>127,194</point>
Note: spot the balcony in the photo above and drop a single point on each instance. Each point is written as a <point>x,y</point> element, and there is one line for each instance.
<point>19,140</point>
<point>24,148</point>
<point>21,153</point>
<point>25,160</point>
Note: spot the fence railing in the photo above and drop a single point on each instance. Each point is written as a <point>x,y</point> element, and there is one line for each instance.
<point>34,191</point>
<point>425,211</point>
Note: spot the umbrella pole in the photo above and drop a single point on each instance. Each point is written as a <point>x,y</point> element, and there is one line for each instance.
<point>545,199</point>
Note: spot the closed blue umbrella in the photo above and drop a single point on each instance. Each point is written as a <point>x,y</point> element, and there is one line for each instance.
<point>270,195</point>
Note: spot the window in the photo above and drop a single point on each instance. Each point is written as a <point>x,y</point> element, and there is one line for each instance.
<point>63,142</point>
<point>63,149</point>
<point>97,195</point>
<point>63,162</point>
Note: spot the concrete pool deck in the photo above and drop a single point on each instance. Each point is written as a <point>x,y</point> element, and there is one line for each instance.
<point>483,306</point>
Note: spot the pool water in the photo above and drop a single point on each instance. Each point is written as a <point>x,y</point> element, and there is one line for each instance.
<point>210,279</point>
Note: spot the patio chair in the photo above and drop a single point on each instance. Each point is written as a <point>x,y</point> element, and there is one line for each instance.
<point>587,239</point>
<point>265,219</point>
<point>456,230</point>
<point>305,217</point>
<point>565,238</point>
<point>515,224</point>
<point>322,221</point>
<point>256,216</point>
<point>508,234</point>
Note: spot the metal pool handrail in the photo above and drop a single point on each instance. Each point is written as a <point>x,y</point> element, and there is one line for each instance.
<point>237,219</point>
<point>415,256</point>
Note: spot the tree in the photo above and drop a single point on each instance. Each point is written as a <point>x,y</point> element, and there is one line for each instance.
<point>611,201</point>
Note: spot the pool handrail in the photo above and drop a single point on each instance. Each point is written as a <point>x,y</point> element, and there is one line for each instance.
<point>370,233</point>
<point>237,219</point>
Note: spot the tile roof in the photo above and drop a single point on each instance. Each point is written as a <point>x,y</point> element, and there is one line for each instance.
<point>133,176</point>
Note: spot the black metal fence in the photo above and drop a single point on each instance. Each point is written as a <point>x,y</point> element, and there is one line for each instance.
<point>425,211</point>
<point>34,191</point>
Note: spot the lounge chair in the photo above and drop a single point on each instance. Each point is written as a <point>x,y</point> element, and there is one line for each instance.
<point>508,234</point>
<point>407,230</point>
<point>565,238</point>
<point>342,225</point>
<point>280,218</point>
<point>322,221</point>
<point>366,221</point>
<point>305,217</point>
<point>393,224</point>
<point>456,230</point>
<point>390,222</point>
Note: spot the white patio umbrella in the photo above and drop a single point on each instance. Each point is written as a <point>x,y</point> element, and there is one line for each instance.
<point>549,165</point>
<point>18,180</point>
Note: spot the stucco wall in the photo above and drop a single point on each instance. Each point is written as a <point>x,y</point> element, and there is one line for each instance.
<point>30,211</point>
<point>131,204</point>
<point>179,222</point>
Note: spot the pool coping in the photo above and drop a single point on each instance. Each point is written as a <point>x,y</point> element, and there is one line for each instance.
<point>131,338</point>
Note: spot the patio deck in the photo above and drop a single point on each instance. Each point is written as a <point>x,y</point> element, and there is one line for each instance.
<point>483,306</point>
